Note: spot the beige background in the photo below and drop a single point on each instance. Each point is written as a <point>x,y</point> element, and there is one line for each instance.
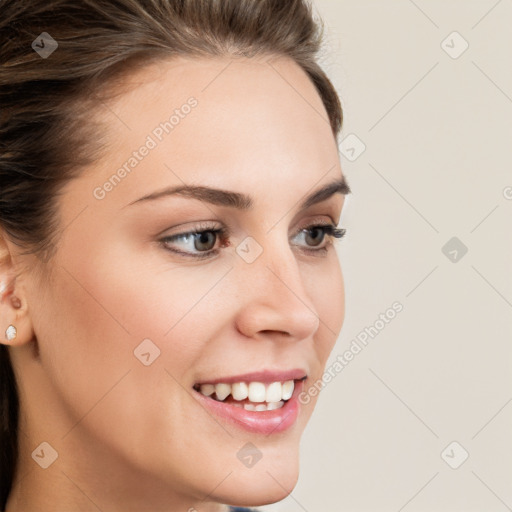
<point>437,164</point>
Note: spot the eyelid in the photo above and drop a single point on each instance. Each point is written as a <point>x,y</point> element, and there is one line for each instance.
<point>196,227</point>
<point>316,222</point>
<point>211,225</point>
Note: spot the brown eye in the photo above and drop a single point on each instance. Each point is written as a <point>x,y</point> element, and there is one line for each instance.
<point>204,241</point>
<point>315,236</point>
<point>199,243</point>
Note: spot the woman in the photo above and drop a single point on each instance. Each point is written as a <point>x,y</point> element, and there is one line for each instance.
<point>170,192</point>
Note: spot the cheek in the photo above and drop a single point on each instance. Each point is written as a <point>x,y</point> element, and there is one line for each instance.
<point>108,309</point>
<point>105,307</point>
<point>324,284</point>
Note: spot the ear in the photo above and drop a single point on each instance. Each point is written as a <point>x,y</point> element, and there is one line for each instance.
<point>15,323</point>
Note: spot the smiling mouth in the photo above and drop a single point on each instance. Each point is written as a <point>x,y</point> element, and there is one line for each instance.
<point>252,395</point>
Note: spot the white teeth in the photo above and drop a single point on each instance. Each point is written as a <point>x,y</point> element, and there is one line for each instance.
<point>275,405</point>
<point>222,391</point>
<point>240,391</point>
<point>257,392</point>
<point>274,392</point>
<point>264,407</point>
<point>288,387</point>
<point>207,389</point>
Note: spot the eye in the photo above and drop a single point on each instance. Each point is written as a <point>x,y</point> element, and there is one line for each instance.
<point>203,241</point>
<point>198,243</point>
<point>318,237</point>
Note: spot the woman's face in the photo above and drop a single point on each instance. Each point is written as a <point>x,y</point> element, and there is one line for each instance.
<point>131,325</point>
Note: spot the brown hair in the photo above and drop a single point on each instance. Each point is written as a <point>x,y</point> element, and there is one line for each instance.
<point>45,137</point>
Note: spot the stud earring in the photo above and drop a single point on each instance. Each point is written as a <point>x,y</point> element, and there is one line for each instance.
<point>11,333</point>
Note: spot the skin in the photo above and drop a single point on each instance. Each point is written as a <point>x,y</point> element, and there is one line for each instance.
<point>129,436</point>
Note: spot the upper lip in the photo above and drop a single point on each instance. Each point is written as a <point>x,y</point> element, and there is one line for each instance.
<point>265,376</point>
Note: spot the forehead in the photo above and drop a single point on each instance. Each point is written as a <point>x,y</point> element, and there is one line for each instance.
<point>241,96</point>
<point>220,122</point>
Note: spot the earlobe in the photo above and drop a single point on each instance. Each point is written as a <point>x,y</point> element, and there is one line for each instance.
<point>15,322</point>
<point>12,317</point>
<point>10,333</point>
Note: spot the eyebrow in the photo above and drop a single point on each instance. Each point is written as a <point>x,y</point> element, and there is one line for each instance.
<point>242,201</point>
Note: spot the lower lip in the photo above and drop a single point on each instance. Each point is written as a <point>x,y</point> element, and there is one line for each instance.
<point>259,422</point>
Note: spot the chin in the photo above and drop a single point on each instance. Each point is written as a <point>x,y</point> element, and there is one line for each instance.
<point>264,483</point>
<point>259,495</point>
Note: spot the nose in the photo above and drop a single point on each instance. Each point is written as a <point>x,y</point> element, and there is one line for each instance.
<point>273,298</point>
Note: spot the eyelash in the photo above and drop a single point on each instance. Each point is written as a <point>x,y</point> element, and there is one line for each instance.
<point>329,230</point>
